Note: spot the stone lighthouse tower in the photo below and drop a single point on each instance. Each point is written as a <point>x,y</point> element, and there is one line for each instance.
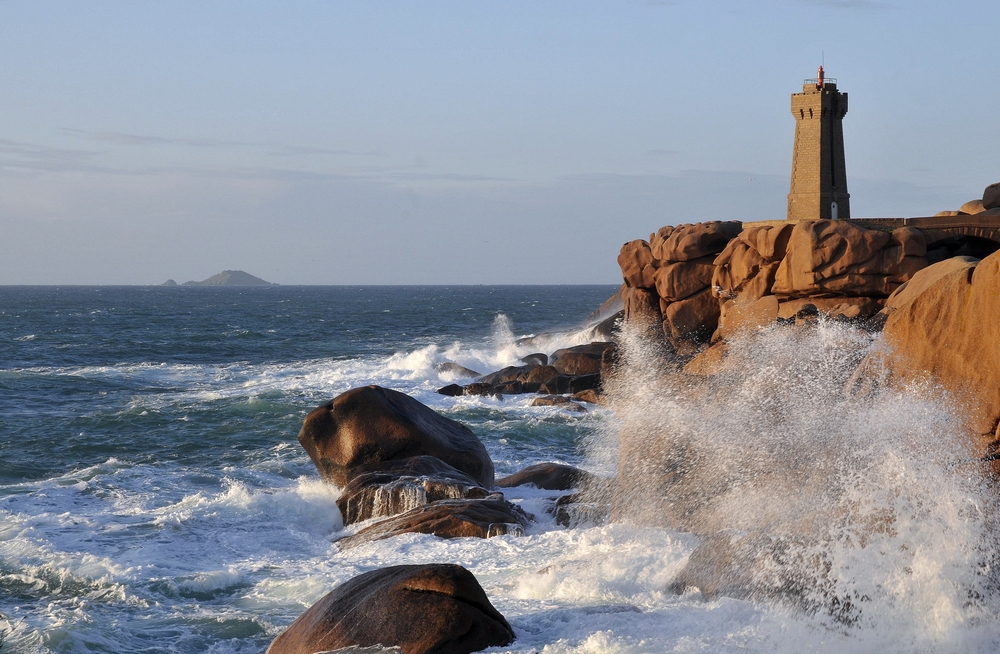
<point>819,173</point>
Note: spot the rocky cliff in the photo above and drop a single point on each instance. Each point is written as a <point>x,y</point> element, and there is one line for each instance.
<point>934,294</point>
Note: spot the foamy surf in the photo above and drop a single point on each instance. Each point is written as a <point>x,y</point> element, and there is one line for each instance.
<point>165,505</point>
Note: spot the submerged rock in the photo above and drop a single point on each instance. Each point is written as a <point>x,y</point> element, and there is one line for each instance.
<point>422,609</point>
<point>387,488</point>
<point>373,424</point>
<point>560,401</point>
<point>483,518</point>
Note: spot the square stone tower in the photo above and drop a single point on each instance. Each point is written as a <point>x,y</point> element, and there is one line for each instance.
<point>819,172</point>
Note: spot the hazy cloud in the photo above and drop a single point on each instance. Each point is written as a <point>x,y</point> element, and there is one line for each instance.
<point>31,156</point>
<point>276,149</point>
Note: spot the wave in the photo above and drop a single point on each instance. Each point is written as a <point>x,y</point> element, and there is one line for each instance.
<point>867,517</point>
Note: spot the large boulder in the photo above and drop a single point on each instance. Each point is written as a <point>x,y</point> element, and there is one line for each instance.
<point>973,207</point>
<point>840,258</point>
<point>637,264</point>
<point>484,518</point>
<point>510,373</point>
<point>548,476</point>
<point>454,370</point>
<point>748,264</point>
<point>657,239</point>
<point>387,488</point>
<point>534,378</point>
<point>926,278</point>
<point>580,359</point>
<point>682,279</point>
<point>689,242</point>
<point>951,331</point>
<point>991,196</point>
<point>372,424</point>
<point>437,607</point>
<point>642,310</point>
<point>694,318</point>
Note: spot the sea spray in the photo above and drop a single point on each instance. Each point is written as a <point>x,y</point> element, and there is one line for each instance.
<point>865,515</point>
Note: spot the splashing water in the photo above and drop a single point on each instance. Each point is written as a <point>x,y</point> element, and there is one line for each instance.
<point>868,516</point>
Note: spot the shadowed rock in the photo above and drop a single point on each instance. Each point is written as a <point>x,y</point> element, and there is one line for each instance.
<point>484,518</point>
<point>548,476</point>
<point>391,487</point>
<point>580,359</point>
<point>991,196</point>
<point>372,424</point>
<point>451,390</point>
<point>422,609</point>
<point>560,401</point>
<point>536,359</point>
<point>450,368</point>
<point>482,388</point>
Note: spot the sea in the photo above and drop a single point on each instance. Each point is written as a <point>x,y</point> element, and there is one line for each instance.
<point>154,497</point>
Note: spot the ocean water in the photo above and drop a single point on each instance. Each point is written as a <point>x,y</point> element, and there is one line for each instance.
<point>154,498</point>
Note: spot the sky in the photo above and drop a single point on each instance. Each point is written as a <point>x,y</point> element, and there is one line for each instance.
<point>464,142</point>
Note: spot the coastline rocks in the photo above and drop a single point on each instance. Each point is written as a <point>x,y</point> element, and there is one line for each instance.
<point>637,264</point>
<point>694,318</point>
<point>831,256</point>
<point>451,390</point>
<point>560,401</point>
<point>991,196</point>
<point>951,330</point>
<point>536,359</point>
<point>434,608</point>
<point>682,279</point>
<point>973,207</point>
<point>926,278</point>
<point>642,311</point>
<point>373,424</point>
<point>391,487</point>
<point>549,476</point>
<point>580,359</point>
<point>477,518</point>
<point>689,242</point>
<point>843,307</point>
<point>451,368</point>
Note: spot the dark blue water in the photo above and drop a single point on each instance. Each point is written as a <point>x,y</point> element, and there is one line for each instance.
<point>148,452</point>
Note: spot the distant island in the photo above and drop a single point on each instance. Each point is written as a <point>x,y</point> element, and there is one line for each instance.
<point>226,278</point>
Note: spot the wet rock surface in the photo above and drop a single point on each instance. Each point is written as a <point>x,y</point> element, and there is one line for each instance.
<point>549,476</point>
<point>388,488</point>
<point>373,424</point>
<point>422,609</point>
<point>480,518</point>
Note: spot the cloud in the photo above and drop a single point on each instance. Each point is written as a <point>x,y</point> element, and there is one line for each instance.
<point>276,149</point>
<point>16,155</point>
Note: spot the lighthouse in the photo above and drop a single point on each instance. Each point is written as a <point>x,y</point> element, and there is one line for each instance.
<point>819,172</point>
